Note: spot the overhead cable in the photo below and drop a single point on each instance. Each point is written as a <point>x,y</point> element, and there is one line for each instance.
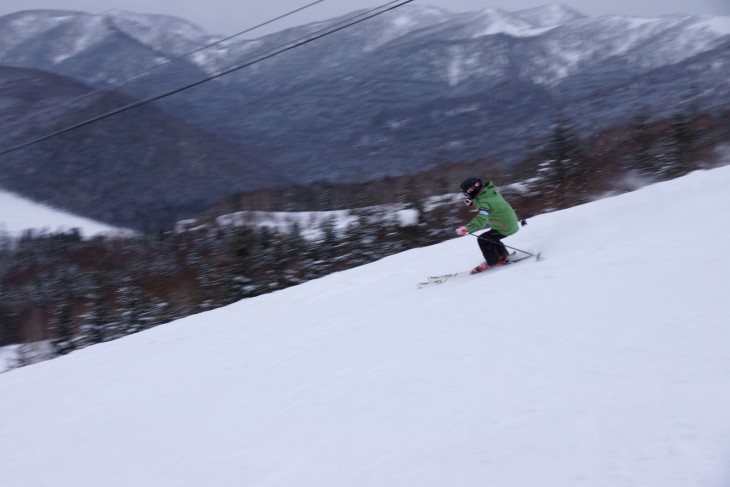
<point>354,20</point>
<point>118,85</point>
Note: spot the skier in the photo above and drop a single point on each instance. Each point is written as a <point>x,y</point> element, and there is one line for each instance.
<point>494,212</point>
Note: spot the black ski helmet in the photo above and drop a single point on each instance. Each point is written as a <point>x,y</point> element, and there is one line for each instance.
<point>471,187</point>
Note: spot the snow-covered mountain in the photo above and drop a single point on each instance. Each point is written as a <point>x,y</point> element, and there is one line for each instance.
<point>604,364</point>
<point>548,16</point>
<point>397,94</point>
<point>651,42</point>
<point>77,32</point>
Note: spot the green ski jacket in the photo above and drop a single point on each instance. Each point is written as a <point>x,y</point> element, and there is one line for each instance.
<point>494,212</point>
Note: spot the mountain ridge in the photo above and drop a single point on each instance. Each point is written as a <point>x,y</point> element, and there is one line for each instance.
<point>399,93</point>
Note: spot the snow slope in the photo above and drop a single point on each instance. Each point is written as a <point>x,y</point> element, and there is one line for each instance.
<point>18,214</point>
<point>604,365</point>
<point>7,357</point>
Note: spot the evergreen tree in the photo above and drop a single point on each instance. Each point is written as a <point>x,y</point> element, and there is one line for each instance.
<point>130,302</point>
<point>96,320</point>
<point>681,144</point>
<point>666,154</point>
<point>560,176</point>
<point>641,159</point>
<point>62,329</point>
<point>410,195</point>
<point>329,241</point>
<point>213,269</point>
<point>242,243</point>
<point>157,313</point>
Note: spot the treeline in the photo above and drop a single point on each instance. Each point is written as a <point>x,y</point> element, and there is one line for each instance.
<point>604,161</point>
<point>71,292</point>
<point>67,292</point>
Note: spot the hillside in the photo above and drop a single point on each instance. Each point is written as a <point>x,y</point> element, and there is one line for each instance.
<point>140,169</point>
<point>605,364</point>
<point>19,214</point>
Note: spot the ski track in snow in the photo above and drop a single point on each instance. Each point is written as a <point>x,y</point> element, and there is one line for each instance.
<point>604,365</point>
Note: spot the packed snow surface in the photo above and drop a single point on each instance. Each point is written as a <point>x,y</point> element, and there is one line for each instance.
<point>606,364</point>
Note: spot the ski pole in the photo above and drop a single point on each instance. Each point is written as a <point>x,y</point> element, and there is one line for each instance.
<point>496,242</point>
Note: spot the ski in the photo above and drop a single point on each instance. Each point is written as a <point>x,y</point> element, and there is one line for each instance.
<point>437,280</point>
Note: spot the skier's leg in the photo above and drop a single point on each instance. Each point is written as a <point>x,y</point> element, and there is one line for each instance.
<point>490,250</point>
<point>497,238</point>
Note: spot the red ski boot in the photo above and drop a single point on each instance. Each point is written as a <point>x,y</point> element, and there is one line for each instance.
<point>484,266</point>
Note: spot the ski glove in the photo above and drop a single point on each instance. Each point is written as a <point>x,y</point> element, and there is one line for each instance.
<point>461,231</point>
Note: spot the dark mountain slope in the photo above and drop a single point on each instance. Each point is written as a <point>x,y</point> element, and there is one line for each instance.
<point>140,168</point>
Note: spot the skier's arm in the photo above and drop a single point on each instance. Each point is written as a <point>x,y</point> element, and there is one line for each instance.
<point>480,221</point>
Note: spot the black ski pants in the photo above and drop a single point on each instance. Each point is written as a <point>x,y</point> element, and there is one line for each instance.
<point>492,247</point>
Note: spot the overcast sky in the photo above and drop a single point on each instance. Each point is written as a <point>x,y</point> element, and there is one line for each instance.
<point>231,16</point>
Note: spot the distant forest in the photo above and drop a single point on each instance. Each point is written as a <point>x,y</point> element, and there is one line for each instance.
<point>609,161</point>
<point>60,292</point>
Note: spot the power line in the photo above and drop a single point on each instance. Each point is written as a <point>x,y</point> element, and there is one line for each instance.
<point>348,21</point>
<point>362,17</point>
<point>208,46</point>
<point>116,86</point>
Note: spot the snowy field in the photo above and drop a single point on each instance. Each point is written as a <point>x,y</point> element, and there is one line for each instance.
<point>604,365</point>
<point>310,222</point>
<point>7,357</point>
<point>18,214</point>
